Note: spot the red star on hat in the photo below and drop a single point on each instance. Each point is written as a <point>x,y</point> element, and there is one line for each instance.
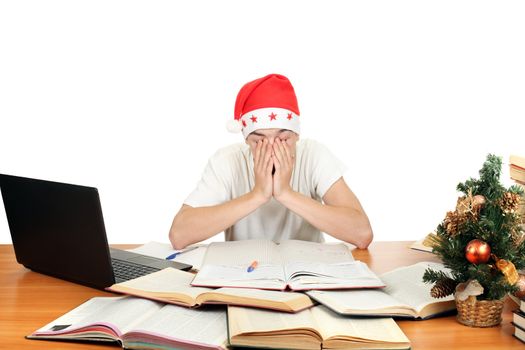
<point>254,119</point>
<point>290,116</point>
<point>273,116</point>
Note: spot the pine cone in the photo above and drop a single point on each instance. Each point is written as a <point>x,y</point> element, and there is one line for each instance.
<point>509,202</point>
<point>443,287</point>
<point>517,232</point>
<point>453,222</point>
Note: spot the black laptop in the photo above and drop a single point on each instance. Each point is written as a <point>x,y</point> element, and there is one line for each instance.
<point>58,229</point>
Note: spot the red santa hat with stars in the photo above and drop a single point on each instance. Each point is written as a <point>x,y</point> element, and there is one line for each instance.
<point>266,103</point>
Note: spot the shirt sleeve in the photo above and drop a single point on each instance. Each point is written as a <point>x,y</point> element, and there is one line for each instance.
<point>213,187</point>
<point>327,169</point>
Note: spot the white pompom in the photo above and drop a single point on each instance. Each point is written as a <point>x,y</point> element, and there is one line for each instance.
<point>234,126</point>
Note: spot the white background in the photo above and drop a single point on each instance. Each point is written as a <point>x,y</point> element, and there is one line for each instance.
<point>132,97</point>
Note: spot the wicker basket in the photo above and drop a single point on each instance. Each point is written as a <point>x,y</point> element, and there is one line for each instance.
<point>479,313</point>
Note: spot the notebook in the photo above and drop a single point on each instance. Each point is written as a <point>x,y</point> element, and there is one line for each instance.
<point>58,229</point>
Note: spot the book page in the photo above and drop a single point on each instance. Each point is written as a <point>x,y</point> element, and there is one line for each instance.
<point>362,301</point>
<point>155,249</point>
<point>261,294</point>
<point>166,281</point>
<point>202,326</point>
<point>381,330</point>
<point>243,253</point>
<point>119,313</point>
<point>312,275</point>
<point>248,320</point>
<point>226,264</point>
<point>271,299</point>
<point>187,255</point>
<point>305,251</point>
<point>406,285</point>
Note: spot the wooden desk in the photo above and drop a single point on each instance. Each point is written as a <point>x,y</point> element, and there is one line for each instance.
<point>29,300</point>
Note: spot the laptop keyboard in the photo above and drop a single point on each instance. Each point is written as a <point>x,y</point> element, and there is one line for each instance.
<point>125,270</point>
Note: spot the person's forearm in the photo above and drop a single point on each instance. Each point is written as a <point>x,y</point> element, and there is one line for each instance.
<point>347,224</point>
<point>197,224</point>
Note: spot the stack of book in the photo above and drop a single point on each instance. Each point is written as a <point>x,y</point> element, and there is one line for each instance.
<point>518,320</point>
<point>167,310</point>
<point>517,173</point>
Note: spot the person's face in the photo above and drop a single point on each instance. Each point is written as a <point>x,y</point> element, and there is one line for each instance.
<point>290,138</point>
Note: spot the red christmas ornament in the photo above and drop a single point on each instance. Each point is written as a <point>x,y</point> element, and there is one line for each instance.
<point>477,251</point>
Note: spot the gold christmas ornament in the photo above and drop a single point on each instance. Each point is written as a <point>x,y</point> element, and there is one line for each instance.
<point>508,269</point>
<point>479,200</point>
<point>470,206</point>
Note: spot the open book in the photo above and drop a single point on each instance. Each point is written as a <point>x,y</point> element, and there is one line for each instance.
<point>173,286</point>
<point>191,255</point>
<point>139,324</point>
<point>297,265</point>
<point>315,328</point>
<point>425,243</point>
<point>405,295</point>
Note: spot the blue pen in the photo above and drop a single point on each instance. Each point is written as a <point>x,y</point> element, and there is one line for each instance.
<point>252,266</point>
<point>177,253</point>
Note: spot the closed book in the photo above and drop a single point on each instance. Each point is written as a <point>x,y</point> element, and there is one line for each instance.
<point>519,332</point>
<point>517,168</point>
<point>518,319</point>
<point>522,306</point>
<point>516,160</point>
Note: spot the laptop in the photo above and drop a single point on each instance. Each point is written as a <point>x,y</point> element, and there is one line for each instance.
<point>58,230</point>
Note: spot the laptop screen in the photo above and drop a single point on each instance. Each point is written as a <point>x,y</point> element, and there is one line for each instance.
<point>58,229</point>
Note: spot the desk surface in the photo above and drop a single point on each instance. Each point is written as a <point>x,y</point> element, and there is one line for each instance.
<point>29,300</point>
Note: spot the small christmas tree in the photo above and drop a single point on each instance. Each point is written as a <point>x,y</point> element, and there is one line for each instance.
<point>481,240</point>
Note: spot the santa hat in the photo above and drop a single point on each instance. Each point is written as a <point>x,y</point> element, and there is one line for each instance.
<point>266,103</point>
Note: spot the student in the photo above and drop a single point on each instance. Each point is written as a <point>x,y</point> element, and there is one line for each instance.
<point>273,186</point>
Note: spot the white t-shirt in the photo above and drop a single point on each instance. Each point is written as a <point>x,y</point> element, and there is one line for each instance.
<point>229,174</point>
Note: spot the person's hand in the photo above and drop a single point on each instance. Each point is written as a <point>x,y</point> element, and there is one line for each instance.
<point>284,162</point>
<point>262,166</point>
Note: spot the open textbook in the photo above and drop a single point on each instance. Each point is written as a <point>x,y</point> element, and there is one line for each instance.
<point>139,324</point>
<point>297,265</point>
<point>315,328</point>
<point>191,255</point>
<point>405,295</point>
<point>173,286</point>
<point>425,243</point>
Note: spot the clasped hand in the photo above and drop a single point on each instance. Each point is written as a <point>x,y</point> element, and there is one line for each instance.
<point>267,156</point>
